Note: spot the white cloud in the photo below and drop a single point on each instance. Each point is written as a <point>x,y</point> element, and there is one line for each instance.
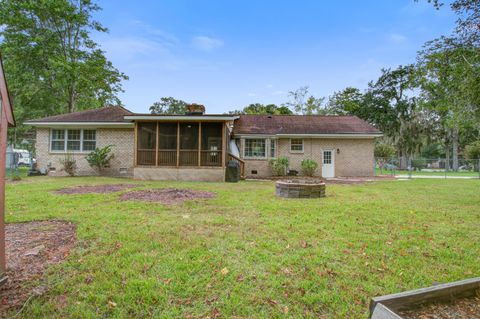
<point>278,92</point>
<point>205,43</point>
<point>252,94</point>
<point>397,38</point>
<point>269,86</point>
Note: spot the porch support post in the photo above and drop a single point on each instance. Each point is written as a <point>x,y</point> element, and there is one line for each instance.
<point>224,145</point>
<point>135,146</point>
<point>156,148</point>
<point>178,144</point>
<point>199,143</point>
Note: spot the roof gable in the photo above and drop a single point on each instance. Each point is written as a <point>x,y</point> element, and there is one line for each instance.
<point>301,124</point>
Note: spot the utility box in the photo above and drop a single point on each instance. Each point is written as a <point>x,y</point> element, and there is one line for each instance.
<point>232,173</point>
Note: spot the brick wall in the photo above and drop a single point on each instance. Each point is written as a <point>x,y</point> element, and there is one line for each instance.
<point>355,157</point>
<point>122,141</point>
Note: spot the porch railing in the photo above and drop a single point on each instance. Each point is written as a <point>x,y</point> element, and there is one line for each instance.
<point>146,157</point>
<point>232,157</point>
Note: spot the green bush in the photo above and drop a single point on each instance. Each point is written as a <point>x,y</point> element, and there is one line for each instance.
<point>309,167</point>
<point>472,150</point>
<point>419,163</point>
<point>100,158</point>
<point>279,166</point>
<point>69,165</point>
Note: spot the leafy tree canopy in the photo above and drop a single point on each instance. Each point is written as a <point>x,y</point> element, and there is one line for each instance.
<point>169,105</point>
<point>52,64</point>
<point>258,108</point>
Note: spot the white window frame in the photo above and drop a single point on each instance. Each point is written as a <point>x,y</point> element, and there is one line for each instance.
<point>255,157</point>
<point>65,141</point>
<point>297,151</point>
<point>85,140</point>
<point>274,143</point>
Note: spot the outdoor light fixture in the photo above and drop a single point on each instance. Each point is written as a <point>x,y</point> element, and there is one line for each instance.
<point>338,151</point>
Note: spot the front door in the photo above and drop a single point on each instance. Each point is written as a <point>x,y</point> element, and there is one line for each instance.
<point>328,164</point>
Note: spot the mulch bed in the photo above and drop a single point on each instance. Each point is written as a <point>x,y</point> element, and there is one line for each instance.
<point>97,189</point>
<point>166,195</point>
<point>465,308</point>
<point>30,248</point>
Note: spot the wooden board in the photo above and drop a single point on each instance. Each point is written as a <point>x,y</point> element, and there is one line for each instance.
<point>442,292</point>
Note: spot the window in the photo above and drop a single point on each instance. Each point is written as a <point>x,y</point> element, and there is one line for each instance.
<point>89,140</point>
<point>273,148</point>
<point>255,148</point>
<point>73,140</point>
<point>296,145</point>
<point>58,140</point>
<point>327,157</point>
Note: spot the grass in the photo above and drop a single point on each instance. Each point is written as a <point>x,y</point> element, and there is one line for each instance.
<point>249,254</point>
<point>427,172</point>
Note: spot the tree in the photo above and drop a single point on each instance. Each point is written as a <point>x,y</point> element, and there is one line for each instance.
<point>261,109</point>
<point>52,64</point>
<point>450,87</point>
<point>384,151</point>
<point>346,102</point>
<point>304,104</point>
<point>169,105</point>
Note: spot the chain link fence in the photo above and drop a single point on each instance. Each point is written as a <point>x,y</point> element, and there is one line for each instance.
<point>18,163</point>
<point>428,168</point>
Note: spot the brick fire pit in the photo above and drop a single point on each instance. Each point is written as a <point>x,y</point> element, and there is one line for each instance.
<point>300,188</point>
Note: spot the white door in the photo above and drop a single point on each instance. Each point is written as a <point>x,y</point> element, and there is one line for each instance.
<point>328,164</point>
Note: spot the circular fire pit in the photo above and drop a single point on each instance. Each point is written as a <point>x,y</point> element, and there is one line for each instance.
<point>300,188</point>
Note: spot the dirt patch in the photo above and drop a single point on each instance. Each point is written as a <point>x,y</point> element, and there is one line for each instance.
<point>166,195</point>
<point>30,248</point>
<point>97,189</point>
<point>465,308</point>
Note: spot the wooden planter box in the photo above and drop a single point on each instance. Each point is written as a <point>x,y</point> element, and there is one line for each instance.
<point>387,307</point>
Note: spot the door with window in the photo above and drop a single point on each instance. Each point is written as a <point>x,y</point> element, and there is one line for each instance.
<point>328,164</point>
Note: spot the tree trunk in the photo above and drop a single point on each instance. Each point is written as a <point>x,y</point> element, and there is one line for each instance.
<point>455,149</point>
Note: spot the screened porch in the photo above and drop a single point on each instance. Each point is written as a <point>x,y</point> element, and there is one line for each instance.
<point>180,144</point>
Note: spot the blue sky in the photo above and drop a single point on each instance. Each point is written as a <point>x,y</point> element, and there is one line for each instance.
<point>228,54</point>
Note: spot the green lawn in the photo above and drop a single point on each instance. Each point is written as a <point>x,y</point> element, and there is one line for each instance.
<point>427,172</point>
<point>280,258</point>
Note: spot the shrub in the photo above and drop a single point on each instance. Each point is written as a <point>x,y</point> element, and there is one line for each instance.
<point>69,165</point>
<point>309,167</point>
<point>100,158</point>
<point>384,151</point>
<point>472,150</point>
<point>419,163</point>
<point>279,166</point>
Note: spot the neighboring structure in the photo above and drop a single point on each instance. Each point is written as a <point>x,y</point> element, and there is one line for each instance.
<point>196,146</point>
<point>6,120</point>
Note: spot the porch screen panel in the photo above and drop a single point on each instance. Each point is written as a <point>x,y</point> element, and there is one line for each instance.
<point>167,144</point>
<point>211,153</point>
<point>188,144</point>
<point>146,143</point>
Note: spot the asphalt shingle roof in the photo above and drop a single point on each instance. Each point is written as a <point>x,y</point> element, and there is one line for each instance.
<point>301,124</point>
<point>104,114</point>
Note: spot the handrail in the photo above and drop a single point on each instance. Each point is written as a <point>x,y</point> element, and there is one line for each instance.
<point>242,164</point>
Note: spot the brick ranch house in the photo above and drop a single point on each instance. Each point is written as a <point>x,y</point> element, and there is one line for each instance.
<point>197,146</point>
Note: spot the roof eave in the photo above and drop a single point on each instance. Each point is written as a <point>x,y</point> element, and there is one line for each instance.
<point>179,118</point>
<point>80,124</point>
<point>334,135</point>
